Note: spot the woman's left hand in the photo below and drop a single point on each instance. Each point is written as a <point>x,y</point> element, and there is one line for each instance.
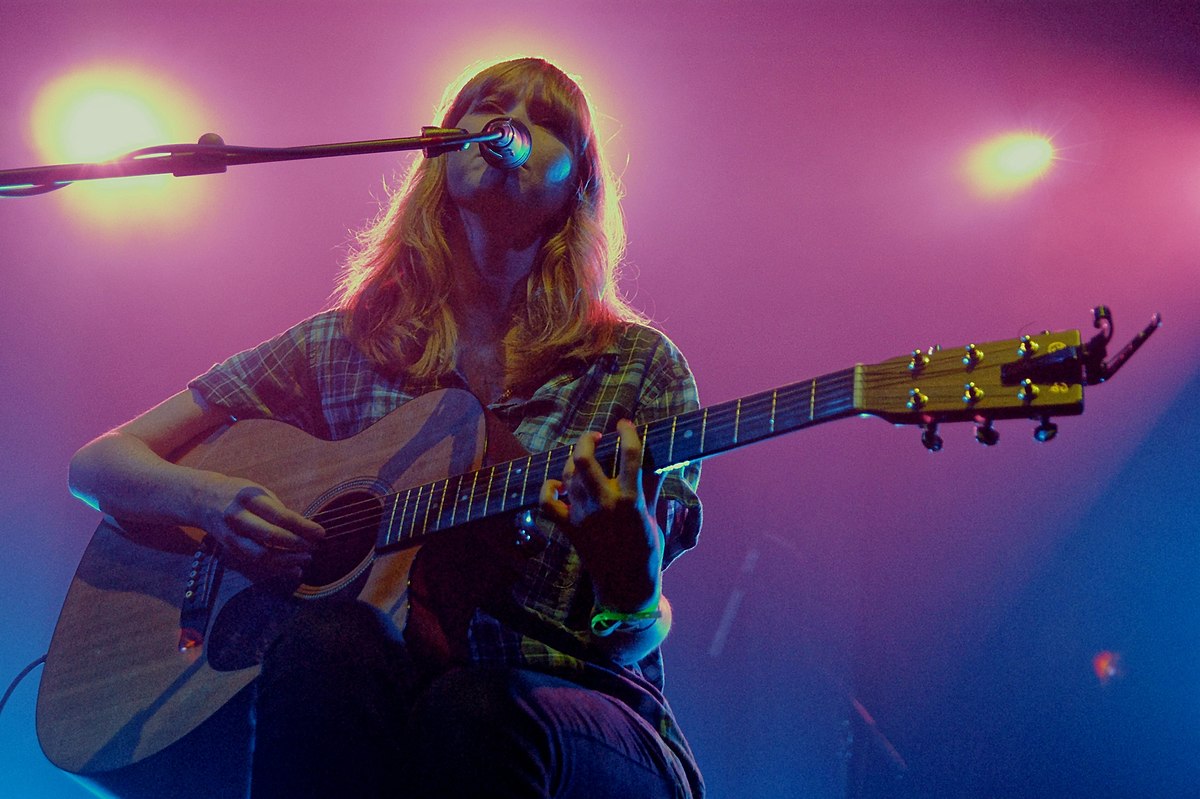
<point>610,521</point>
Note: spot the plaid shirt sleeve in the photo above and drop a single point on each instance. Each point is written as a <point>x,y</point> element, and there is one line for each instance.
<point>273,380</point>
<point>670,390</point>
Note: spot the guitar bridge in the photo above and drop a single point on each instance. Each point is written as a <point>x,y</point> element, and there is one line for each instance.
<point>199,595</point>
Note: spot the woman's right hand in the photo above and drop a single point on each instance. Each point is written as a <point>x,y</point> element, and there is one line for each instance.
<point>125,474</point>
<point>253,527</point>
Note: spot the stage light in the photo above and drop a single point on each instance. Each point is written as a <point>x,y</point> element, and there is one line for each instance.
<point>101,112</point>
<point>1107,666</point>
<point>1006,164</point>
<point>95,122</point>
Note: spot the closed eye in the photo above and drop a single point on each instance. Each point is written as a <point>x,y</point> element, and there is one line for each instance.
<point>550,118</point>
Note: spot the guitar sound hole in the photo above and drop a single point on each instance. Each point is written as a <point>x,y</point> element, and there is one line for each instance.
<point>351,522</point>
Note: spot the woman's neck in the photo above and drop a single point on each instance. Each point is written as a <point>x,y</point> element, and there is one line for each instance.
<point>492,265</point>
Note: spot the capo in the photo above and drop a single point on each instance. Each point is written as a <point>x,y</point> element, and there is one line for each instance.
<point>1097,369</point>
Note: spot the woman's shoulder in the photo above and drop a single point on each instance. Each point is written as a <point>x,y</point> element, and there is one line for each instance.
<point>326,325</point>
<point>647,343</point>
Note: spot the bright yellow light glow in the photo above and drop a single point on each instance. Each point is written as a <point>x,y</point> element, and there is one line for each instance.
<point>104,111</point>
<point>105,124</point>
<point>1008,163</point>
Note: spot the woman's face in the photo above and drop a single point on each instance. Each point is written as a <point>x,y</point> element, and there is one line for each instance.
<point>532,195</point>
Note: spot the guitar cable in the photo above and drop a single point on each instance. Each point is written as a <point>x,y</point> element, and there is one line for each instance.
<point>17,681</point>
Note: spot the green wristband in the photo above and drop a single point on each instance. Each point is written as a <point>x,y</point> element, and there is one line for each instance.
<point>606,622</point>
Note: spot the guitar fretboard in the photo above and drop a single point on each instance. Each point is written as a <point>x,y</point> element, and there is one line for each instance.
<point>515,485</point>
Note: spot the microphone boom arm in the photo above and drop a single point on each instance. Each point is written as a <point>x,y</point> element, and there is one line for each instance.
<point>211,156</point>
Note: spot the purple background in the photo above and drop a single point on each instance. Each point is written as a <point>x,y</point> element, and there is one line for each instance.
<point>793,206</point>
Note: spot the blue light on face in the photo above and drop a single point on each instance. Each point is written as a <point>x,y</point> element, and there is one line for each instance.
<point>559,169</point>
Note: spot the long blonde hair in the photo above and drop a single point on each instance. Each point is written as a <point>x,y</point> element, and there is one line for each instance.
<point>397,283</point>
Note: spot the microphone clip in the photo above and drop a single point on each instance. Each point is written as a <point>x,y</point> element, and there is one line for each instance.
<point>434,150</point>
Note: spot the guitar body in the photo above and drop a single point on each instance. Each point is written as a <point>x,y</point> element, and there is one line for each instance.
<point>118,688</point>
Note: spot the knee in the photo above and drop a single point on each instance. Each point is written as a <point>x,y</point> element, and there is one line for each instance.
<point>473,722</point>
<point>331,638</point>
<point>473,700</point>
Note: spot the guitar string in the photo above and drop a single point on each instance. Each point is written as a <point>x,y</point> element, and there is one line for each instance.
<point>654,438</point>
<point>361,516</point>
<point>353,516</point>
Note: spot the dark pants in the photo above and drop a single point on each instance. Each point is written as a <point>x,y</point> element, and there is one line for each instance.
<point>341,713</point>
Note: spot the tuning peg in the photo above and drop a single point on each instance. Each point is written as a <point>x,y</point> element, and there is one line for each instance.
<point>971,393</point>
<point>986,434</point>
<point>1045,431</point>
<point>918,361</point>
<point>930,438</point>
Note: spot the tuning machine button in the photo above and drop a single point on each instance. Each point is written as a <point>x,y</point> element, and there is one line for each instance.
<point>930,438</point>
<point>972,357</point>
<point>1046,431</point>
<point>1027,347</point>
<point>918,361</point>
<point>1028,391</point>
<point>985,433</point>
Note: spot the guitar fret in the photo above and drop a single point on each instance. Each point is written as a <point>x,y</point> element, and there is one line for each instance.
<point>392,518</point>
<point>525,479</point>
<point>471,494</point>
<point>487,494</point>
<point>422,524</point>
<point>417,508</point>
<point>812,401</point>
<point>737,420</point>
<point>428,507</point>
<point>703,429</point>
<point>411,521</point>
<point>442,503</point>
<point>671,450</point>
<point>507,476</point>
<point>404,510</point>
<point>454,504</point>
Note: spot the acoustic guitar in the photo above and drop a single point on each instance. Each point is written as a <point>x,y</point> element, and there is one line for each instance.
<point>158,633</point>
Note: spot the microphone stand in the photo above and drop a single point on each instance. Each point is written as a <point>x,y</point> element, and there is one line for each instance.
<point>211,155</point>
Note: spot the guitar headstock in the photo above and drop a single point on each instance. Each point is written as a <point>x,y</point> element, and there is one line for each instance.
<point>1031,377</point>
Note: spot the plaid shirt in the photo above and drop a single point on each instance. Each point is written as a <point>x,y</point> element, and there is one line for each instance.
<point>313,377</point>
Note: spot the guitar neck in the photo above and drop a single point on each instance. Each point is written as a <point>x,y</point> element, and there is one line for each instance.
<point>670,443</point>
<point>680,440</point>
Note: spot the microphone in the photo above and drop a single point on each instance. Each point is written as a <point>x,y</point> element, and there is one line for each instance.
<point>512,148</point>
